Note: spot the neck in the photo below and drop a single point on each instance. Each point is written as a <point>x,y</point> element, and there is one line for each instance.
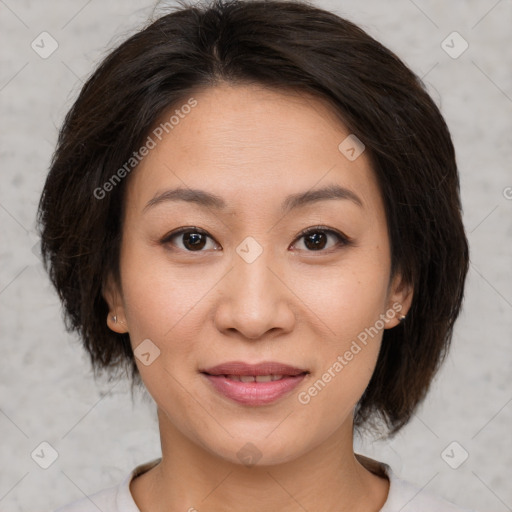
<point>190,478</point>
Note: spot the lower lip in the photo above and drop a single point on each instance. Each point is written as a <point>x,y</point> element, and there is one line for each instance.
<point>254,393</point>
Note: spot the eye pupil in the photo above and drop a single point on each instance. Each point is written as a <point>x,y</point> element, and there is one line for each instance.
<point>194,240</point>
<point>317,239</point>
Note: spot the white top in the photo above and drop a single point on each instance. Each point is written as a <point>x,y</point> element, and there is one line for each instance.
<point>403,496</point>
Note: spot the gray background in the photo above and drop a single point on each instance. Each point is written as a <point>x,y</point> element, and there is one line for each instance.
<point>46,389</point>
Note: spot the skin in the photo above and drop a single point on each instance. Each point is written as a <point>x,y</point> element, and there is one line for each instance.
<point>253,147</point>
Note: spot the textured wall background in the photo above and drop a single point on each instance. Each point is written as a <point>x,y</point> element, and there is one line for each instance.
<point>46,389</point>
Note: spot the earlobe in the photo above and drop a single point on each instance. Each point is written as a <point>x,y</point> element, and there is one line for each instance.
<point>116,319</point>
<point>115,323</point>
<point>399,302</point>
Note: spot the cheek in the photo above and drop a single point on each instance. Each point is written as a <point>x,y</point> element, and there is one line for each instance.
<point>167,304</point>
<point>347,303</point>
<point>158,298</point>
<point>346,355</point>
<point>164,306</point>
<point>346,298</point>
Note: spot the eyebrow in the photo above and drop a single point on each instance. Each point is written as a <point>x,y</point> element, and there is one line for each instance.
<point>293,201</point>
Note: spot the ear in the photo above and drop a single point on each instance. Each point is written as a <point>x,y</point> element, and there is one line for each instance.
<point>116,318</point>
<point>400,297</point>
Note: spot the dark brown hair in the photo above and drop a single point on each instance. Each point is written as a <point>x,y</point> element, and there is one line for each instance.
<point>281,45</point>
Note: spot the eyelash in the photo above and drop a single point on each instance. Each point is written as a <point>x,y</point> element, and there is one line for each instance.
<point>343,240</point>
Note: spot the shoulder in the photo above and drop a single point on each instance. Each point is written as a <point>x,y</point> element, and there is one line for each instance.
<point>405,496</point>
<point>104,500</point>
<point>113,499</point>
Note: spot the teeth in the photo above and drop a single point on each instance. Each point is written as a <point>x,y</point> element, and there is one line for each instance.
<point>263,378</point>
<point>233,377</point>
<point>251,378</point>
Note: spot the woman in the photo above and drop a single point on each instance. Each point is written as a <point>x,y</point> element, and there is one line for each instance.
<point>254,208</point>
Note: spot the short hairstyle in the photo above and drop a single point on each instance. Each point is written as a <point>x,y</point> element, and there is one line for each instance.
<point>285,46</point>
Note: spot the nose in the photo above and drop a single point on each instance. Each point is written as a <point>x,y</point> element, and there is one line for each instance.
<point>255,300</point>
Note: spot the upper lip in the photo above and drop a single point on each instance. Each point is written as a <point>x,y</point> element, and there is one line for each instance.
<point>264,368</point>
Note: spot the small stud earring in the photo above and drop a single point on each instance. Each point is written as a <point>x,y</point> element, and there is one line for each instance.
<point>401,318</point>
<point>115,319</point>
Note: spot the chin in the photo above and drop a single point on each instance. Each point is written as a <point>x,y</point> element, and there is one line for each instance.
<point>260,449</point>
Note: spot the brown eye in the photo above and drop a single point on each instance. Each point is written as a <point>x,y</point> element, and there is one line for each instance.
<point>318,239</point>
<point>188,239</point>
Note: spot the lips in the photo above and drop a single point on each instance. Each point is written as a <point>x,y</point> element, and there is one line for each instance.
<point>254,385</point>
<point>239,368</point>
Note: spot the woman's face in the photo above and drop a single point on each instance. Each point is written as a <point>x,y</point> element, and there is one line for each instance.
<point>255,168</point>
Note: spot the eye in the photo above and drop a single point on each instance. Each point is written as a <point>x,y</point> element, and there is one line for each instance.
<point>317,239</point>
<point>192,239</point>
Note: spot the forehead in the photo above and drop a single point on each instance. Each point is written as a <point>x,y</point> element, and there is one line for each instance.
<point>251,143</point>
